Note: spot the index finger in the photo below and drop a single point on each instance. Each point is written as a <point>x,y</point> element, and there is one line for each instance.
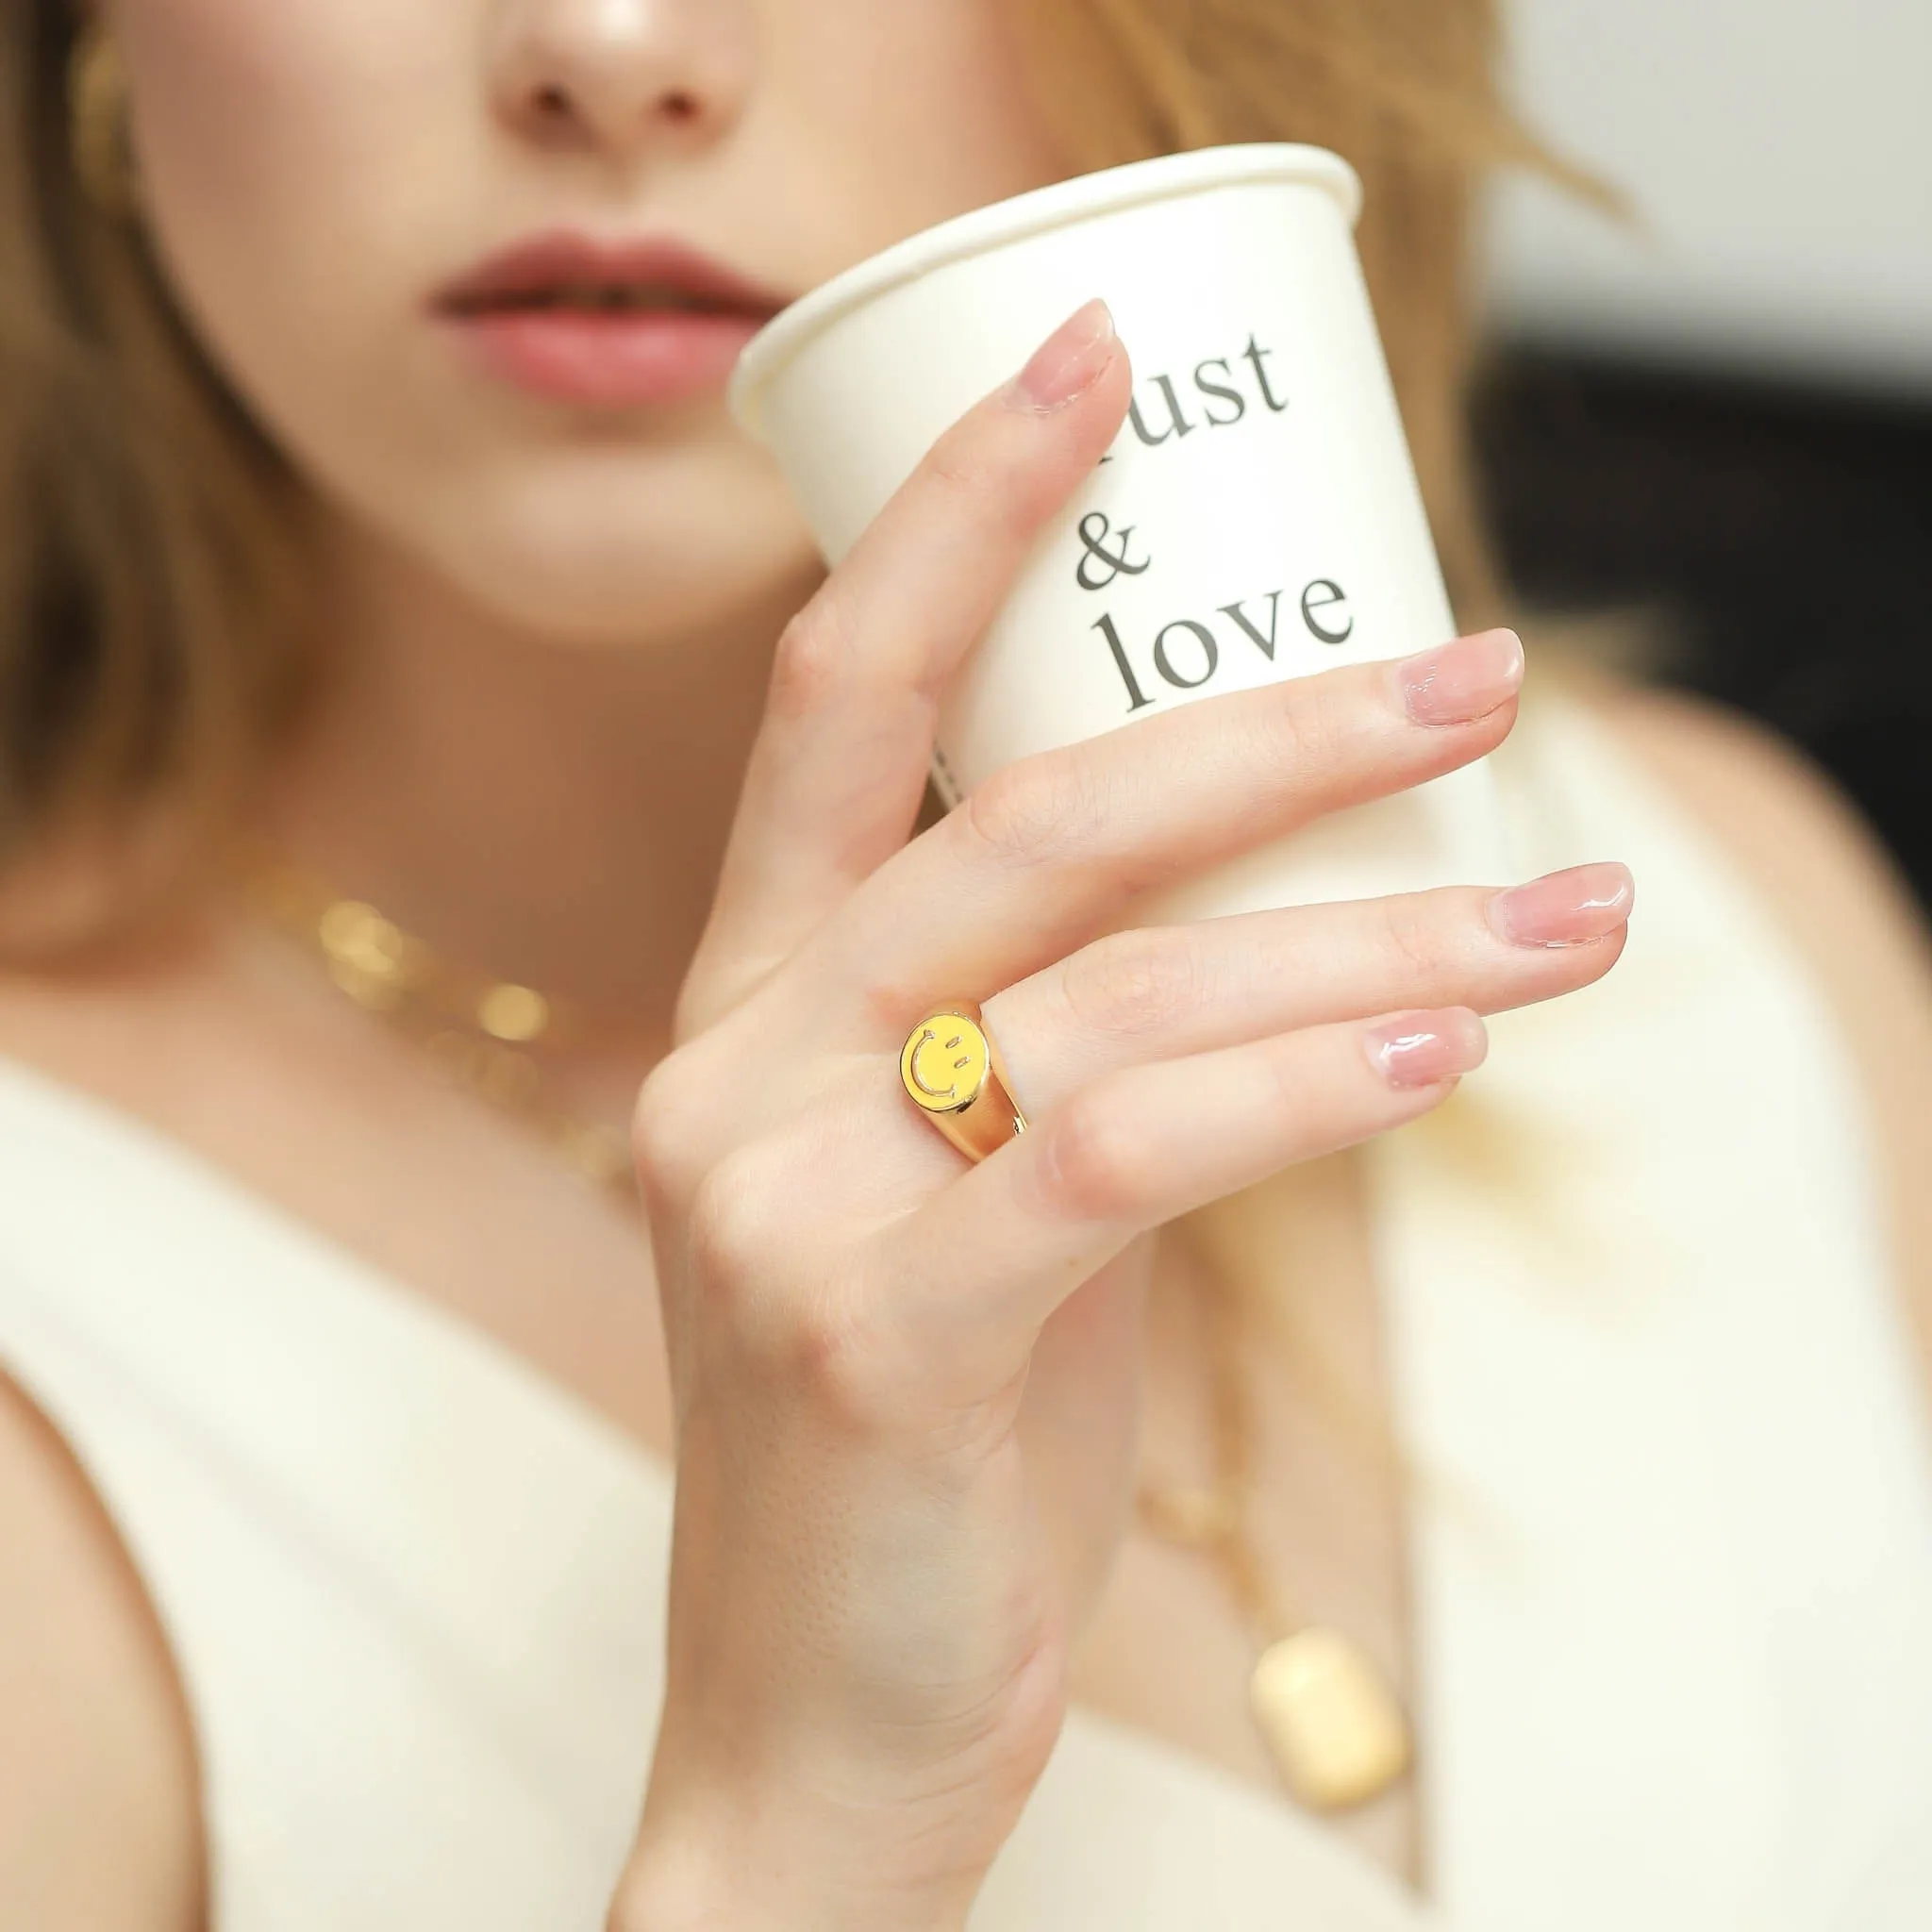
<point>834,781</point>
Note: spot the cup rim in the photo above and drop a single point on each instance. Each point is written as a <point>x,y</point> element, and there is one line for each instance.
<point>1060,203</point>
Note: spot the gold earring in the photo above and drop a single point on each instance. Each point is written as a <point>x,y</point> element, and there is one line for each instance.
<point>97,121</point>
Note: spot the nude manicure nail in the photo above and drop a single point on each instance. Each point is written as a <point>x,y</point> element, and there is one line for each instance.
<point>1457,683</point>
<point>1070,360</point>
<point>1424,1049</point>
<point>1565,909</point>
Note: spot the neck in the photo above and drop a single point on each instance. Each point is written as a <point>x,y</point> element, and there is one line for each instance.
<point>550,813</point>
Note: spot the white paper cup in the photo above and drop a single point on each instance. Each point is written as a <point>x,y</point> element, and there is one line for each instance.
<point>1258,517</point>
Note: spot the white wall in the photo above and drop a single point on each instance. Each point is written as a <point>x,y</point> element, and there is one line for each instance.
<point>1781,153</point>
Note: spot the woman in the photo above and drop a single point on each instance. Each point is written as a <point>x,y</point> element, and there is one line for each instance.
<point>370,494</point>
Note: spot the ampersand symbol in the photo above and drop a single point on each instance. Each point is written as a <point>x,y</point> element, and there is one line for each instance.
<point>1097,553</point>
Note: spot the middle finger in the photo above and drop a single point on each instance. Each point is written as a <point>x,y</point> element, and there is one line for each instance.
<point>1039,857</point>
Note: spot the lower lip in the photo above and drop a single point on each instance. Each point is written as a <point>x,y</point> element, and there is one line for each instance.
<point>610,358</point>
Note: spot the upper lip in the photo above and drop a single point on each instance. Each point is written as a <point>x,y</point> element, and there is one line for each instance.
<point>547,267</point>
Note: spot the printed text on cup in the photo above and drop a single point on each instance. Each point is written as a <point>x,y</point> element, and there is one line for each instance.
<point>1186,651</point>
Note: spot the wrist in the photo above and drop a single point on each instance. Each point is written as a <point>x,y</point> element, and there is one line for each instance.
<point>667,1892</point>
<point>733,1861</point>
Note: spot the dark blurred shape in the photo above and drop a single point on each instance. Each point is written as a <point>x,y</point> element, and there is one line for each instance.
<point>1784,535</point>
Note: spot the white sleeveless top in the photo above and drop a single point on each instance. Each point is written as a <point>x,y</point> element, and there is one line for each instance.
<point>1672,1563</point>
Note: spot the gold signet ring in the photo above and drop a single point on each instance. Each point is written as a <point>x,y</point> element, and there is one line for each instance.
<point>956,1077</point>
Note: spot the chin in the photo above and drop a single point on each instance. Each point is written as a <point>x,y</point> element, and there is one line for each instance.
<point>621,548</point>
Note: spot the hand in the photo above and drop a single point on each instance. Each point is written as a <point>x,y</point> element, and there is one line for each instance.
<point>906,1386</point>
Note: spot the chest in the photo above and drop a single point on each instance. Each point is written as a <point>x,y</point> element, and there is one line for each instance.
<point>1672,1579</point>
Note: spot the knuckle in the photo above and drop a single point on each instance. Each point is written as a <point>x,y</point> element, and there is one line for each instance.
<point>1138,983</point>
<point>956,469</point>
<point>1415,939</point>
<point>886,1002</point>
<point>773,1315</point>
<point>980,480</point>
<point>1284,1069</point>
<point>830,1354</point>
<point>665,1126</point>
<point>803,1349</point>
<point>1311,731</point>
<point>1030,811</point>
<point>812,660</point>
<point>1098,1163</point>
<point>727,1229</point>
<point>973,466</point>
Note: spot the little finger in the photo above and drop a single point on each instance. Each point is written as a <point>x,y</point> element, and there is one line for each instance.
<point>981,1265</point>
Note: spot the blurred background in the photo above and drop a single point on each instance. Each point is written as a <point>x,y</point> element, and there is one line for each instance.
<point>1722,418</point>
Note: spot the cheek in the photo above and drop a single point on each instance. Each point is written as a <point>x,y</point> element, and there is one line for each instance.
<point>280,147</point>
<point>937,86</point>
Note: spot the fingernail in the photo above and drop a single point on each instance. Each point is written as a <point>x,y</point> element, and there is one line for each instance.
<point>1565,909</point>
<point>1424,1049</point>
<point>1459,683</point>
<point>1070,360</point>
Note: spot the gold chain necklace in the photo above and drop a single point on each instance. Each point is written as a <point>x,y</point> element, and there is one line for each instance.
<point>1331,1724</point>
<point>476,1029</point>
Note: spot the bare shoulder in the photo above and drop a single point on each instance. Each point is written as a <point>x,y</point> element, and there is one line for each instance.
<point>1822,872</point>
<point>99,1820</point>
<point>99,1815</point>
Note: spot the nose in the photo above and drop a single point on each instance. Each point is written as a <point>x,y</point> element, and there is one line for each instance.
<point>619,77</point>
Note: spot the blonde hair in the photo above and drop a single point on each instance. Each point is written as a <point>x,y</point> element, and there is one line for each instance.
<point>148,532</point>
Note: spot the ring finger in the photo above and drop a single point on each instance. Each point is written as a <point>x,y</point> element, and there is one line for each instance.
<point>1167,990</point>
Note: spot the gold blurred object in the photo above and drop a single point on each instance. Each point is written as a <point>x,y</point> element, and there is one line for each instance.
<point>474,1028</point>
<point>513,1012</point>
<point>1338,1734</point>
<point>97,126</point>
<point>1332,1724</point>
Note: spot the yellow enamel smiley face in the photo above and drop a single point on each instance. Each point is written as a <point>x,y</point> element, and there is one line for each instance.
<point>944,1062</point>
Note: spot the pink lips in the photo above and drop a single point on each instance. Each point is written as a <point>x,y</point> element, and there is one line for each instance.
<point>601,325</point>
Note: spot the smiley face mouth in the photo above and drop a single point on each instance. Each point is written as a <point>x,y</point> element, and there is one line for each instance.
<point>916,1053</point>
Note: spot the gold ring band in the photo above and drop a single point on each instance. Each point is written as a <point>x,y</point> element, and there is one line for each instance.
<point>953,1073</point>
